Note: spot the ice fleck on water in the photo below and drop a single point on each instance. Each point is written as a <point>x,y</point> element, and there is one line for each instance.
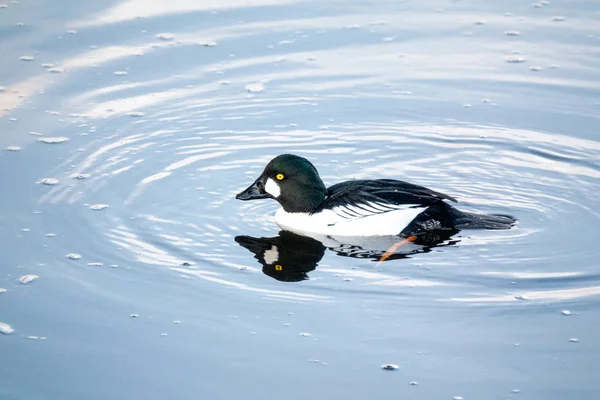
<point>566,312</point>
<point>50,234</point>
<point>49,181</point>
<point>535,69</point>
<point>515,390</point>
<point>305,334</point>
<point>389,367</point>
<point>163,334</point>
<point>95,264</point>
<point>573,340</point>
<point>6,328</point>
<point>28,278</point>
<point>2,290</point>
<point>514,59</point>
<point>74,256</point>
<point>56,70</point>
<point>98,207</point>
<point>165,36</point>
<point>47,65</point>
<point>457,398</point>
<point>136,114</point>
<point>13,148</point>
<point>176,322</point>
<point>413,383</point>
<point>558,18</point>
<point>72,32</point>
<point>26,58</point>
<point>81,176</point>
<point>120,73</point>
<point>53,140</point>
<point>2,88</point>
<point>255,87</point>
<point>521,297</point>
<point>512,33</point>
<point>134,315</point>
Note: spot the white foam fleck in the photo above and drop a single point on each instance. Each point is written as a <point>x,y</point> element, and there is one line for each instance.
<point>514,59</point>
<point>53,140</point>
<point>13,148</point>
<point>255,87</point>
<point>28,278</point>
<point>49,181</point>
<point>120,73</point>
<point>26,58</point>
<point>165,36</point>
<point>74,256</point>
<point>6,328</point>
<point>95,264</point>
<point>389,367</point>
<point>98,207</point>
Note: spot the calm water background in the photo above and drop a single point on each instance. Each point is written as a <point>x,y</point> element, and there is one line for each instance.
<point>495,103</point>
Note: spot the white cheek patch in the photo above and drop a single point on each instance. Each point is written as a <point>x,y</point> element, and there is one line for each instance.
<point>271,256</point>
<point>272,188</point>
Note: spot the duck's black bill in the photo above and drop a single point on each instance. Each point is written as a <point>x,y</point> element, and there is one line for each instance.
<point>253,192</point>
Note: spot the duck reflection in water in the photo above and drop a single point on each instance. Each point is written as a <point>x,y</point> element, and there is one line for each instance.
<point>289,257</point>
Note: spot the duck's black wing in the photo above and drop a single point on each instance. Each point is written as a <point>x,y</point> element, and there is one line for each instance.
<point>360,198</point>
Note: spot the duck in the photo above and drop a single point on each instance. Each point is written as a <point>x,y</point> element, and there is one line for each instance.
<point>359,208</point>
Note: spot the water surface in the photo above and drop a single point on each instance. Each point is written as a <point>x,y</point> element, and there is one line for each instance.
<point>171,108</point>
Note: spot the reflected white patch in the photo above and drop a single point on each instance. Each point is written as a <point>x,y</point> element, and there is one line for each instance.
<point>271,256</point>
<point>272,188</point>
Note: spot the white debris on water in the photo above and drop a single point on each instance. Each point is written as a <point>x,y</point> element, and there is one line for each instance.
<point>49,181</point>
<point>2,290</point>
<point>515,59</point>
<point>566,312</point>
<point>6,328</point>
<point>26,58</point>
<point>13,148</point>
<point>95,264</point>
<point>165,36</point>
<point>74,256</point>
<point>28,278</point>
<point>389,367</point>
<point>255,87</point>
<point>98,207</point>
<point>53,140</point>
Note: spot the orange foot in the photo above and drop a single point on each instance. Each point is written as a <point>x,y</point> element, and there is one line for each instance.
<point>395,246</point>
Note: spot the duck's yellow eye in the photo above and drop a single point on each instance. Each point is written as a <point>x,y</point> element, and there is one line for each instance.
<point>279,177</point>
<point>278,268</point>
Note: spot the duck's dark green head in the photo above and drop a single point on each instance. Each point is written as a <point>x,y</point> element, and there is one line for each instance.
<point>291,180</point>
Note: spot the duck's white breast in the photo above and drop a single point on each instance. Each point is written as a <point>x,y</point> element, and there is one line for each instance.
<point>328,222</point>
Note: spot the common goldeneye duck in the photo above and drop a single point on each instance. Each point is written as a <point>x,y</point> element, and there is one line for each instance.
<point>376,207</point>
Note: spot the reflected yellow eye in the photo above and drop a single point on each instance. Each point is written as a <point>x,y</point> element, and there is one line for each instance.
<point>279,177</point>
<point>278,268</point>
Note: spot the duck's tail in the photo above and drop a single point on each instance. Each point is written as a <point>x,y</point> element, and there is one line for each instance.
<point>467,220</point>
<point>442,216</point>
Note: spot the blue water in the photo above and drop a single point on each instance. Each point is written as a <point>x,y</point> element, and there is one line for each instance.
<point>171,108</point>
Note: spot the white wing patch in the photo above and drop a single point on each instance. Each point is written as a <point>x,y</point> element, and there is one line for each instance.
<point>374,219</point>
